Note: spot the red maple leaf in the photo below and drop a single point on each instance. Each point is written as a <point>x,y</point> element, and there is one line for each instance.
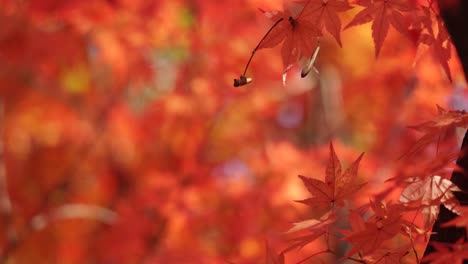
<point>299,35</point>
<point>324,14</point>
<point>461,220</point>
<point>441,124</point>
<point>382,13</point>
<point>337,187</point>
<point>440,42</point>
<point>445,119</point>
<point>368,236</point>
<point>440,165</point>
<point>448,253</point>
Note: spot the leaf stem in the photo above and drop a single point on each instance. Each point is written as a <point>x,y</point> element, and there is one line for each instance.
<point>259,43</point>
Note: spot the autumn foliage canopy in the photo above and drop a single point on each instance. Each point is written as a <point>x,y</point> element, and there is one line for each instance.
<point>123,139</point>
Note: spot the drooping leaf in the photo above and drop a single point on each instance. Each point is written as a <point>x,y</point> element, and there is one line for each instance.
<point>309,66</point>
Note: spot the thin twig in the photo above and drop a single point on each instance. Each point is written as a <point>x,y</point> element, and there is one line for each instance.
<point>414,249</point>
<point>259,43</point>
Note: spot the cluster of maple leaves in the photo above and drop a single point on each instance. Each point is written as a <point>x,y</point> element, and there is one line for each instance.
<point>300,33</point>
<point>371,225</point>
<point>124,142</point>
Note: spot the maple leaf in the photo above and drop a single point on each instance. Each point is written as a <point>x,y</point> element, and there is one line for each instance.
<point>448,253</point>
<point>445,121</point>
<point>367,236</point>
<point>461,220</point>
<point>324,14</point>
<point>382,13</point>
<point>299,35</point>
<point>337,187</point>
<point>442,163</point>
<point>430,192</point>
<point>440,42</point>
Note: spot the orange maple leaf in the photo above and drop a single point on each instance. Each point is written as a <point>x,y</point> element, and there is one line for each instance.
<point>383,13</point>
<point>337,187</point>
<point>299,35</point>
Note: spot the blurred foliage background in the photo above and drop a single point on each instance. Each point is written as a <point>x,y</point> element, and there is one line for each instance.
<point>123,140</point>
